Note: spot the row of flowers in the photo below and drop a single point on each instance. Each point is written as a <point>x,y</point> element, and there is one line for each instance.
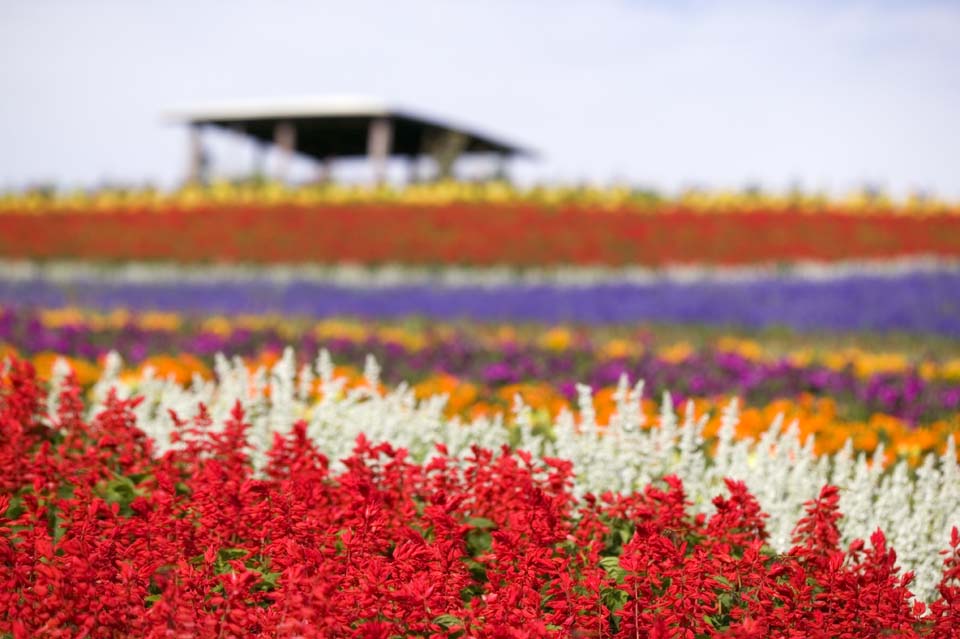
<point>370,277</point>
<point>221,192</point>
<point>917,301</point>
<point>515,234</point>
<point>476,363</point>
<point>131,332</point>
<point>214,513</point>
<point>828,425</point>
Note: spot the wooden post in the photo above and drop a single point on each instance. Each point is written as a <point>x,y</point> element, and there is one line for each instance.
<point>445,147</point>
<point>195,169</point>
<point>285,137</point>
<point>500,173</point>
<point>324,173</point>
<point>413,169</point>
<point>258,171</point>
<point>379,142</point>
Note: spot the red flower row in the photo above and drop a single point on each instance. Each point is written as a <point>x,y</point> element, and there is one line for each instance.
<point>101,539</point>
<point>475,234</point>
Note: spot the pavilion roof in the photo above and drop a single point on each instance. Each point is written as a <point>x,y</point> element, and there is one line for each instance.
<point>339,126</point>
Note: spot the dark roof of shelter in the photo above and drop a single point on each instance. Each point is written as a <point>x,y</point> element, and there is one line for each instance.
<point>338,126</point>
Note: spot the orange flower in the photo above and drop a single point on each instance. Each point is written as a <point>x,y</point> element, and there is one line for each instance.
<point>461,395</point>
<point>7,350</point>
<point>180,367</point>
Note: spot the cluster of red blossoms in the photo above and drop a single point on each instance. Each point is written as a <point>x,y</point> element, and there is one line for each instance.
<point>99,537</point>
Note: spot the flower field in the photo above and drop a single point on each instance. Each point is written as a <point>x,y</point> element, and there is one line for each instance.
<point>471,225</point>
<point>478,411</point>
<point>237,524</point>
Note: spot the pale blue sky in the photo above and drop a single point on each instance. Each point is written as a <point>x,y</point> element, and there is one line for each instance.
<point>827,95</point>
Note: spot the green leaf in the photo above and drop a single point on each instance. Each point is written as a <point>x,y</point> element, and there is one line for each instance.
<point>481,522</point>
<point>477,571</point>
<point>614,598</point>
<point>478,541</point>
<point>120,490</point>
<point>269,581</point>
<point>612,566</point>
<point>722,580</point>
<point>227,554</point>
<point>726,601</point>
<point>447,621</point>
<point>15,509</point>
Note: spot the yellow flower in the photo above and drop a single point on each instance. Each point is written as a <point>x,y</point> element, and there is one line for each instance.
<point>676,353</point>
<point>57,318</point>
<point>928,370</point>
<point>408,339</point>
<point>951,369</point>
<point>617,348</point>
<point>157,321</point>
<point>556,339</point>
<point>218,325</point>
<point>338,329</point>
<point>867,364</point>
<point>746,348</point>
<point>117,318</point>
<point>800,358</point>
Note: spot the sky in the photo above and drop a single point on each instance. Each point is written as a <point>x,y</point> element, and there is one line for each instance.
<point>666,95</point>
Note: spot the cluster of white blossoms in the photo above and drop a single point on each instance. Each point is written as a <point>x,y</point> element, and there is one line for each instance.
<point>915,508</point>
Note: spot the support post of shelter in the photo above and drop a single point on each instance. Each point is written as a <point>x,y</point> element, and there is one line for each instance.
<point>258,170</point>
<point>379,143</point>
<point>285,137</point>
<point>195,170</point>
<point>324,173</point>
<point>413,169</point>
<point>500,173</point>
<point>445,147</point>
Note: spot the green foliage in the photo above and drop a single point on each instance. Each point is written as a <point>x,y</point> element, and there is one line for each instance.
<point>612,566</point>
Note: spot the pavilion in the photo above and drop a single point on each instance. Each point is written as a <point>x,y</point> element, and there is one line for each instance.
<point>327,129</point>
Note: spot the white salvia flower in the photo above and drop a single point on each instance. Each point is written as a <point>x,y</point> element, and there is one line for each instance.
<point>635,418</point>
<point>691,461</point>
<point>842,472</point>
<point>620,421</point>
<point>324,366</point>
<point>857,501</point>
<point>925,524</point>
<point>588,414</point>
<point>523,421</point>
<point>625,424</point>
<point>283,399</point>
<point>112,366</point>
<point>725,435</point>
<point>665,436</point>
<point>305,383</point>
<point>371,372</point>
<point>61,369</point>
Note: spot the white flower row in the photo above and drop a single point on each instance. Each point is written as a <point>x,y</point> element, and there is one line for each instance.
<point>361,276</point>
<point>915,510</point>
